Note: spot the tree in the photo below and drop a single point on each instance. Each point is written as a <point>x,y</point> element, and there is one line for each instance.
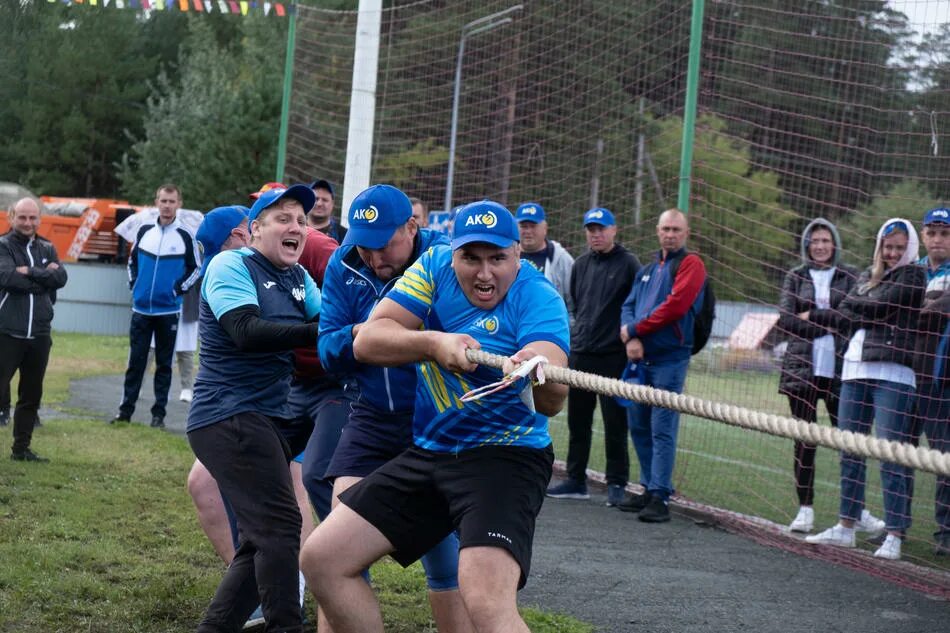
<point>213,132</point>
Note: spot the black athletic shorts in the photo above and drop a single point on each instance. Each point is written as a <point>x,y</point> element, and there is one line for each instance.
<point>490,495</point>
<point>370,439</point>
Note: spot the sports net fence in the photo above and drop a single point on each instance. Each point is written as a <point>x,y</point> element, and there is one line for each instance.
<point>826,109</point>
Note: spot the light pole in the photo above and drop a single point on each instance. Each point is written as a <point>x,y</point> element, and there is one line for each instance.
<point>474,27</point>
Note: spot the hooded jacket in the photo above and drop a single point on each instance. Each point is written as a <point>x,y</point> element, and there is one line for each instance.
<point>798,295</point>
<point>26,301</point>
<point>350,292</point>
<point>887,312</point>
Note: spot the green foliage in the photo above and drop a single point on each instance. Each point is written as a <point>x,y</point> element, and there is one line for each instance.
<point>737,221</point>
<point>214,132</point>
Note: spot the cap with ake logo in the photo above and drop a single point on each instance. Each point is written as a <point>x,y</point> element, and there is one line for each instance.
<point>937,216</point>
<point>530,212</point>
<point>375,215</point>
<point>485,221</point>
<point>599,216</point>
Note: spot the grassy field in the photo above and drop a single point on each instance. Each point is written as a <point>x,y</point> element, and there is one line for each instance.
<point>104,538</point>
<point>750,472</point>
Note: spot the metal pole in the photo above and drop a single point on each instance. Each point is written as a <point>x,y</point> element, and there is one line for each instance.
<point>595,178</point>
<point>638,185</point>
<point>689,114</point>
<point>474,27</point>
<point>285,99</point>
<point>359,140</point>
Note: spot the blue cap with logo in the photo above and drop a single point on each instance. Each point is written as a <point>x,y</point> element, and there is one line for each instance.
<point>375,215</point>
<point>214,230</point>
<point>487,222</point>
<point>301,193</point>
<point>599,216</point>
<point>937,216</point>
<point>530,212</point>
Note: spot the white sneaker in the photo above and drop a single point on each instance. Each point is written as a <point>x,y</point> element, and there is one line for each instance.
<point>869,523</point>
<point>837,535</point>
<point>891,549</point>
<point>186,395</point>
<point>804,520</point>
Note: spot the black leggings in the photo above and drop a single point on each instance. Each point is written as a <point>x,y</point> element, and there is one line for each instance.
<point>804,406</point>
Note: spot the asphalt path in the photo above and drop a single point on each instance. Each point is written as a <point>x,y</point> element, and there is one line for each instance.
<point>604,567</point>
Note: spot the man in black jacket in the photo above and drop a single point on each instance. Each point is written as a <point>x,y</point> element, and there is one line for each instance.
<point>600,281</point>
<point>30,275</point>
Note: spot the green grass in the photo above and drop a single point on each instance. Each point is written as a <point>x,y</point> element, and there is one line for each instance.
<point>750,472</point>
<point>104,538</point>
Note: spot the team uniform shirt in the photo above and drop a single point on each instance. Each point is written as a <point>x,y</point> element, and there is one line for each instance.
<point>531,311</point>
<point>230,381</point>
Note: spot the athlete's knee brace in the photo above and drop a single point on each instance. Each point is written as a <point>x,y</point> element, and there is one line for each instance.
<point>441,564</point>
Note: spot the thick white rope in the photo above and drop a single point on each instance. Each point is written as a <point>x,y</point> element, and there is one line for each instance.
<point>855,443</point>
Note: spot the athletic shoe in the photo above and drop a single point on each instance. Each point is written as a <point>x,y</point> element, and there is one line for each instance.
<point>614,495</point>
<point>869,523</point>
<point>804,520</point>
<point>635,503</point>
<point>27,455</point>
<point>255,621</point>
<point>891,550</point>
<point>657,511</point>
<point>119,419</point>
<point>186,395</point>
<point>836,535</point>
<point>5,417</point>
<point>568,489</point>
<point>158,422</point>
<point>942,545</point>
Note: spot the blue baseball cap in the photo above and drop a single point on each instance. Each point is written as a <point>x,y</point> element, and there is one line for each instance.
<point>599,216</point>
<point>937,216</point>
<point>530,212</point>
<point>375,215</point>
<point>485,221</point>
<point>214,230</point>
<point>301,193</point>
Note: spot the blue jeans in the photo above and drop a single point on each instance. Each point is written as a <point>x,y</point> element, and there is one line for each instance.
<point>653,429</point>
<point>889,406</point>
<point>933,420</point>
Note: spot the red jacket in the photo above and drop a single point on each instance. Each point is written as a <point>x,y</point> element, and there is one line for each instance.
<point>316,254</point>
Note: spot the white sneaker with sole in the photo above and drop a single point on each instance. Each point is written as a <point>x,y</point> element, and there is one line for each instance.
<point>186,395</point>
<point>837,535</point>
<point>804,520</point>
<point>891,549</point>
<point>869,523</point>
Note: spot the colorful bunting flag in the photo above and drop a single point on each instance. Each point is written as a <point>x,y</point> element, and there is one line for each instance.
<point>234,7</point>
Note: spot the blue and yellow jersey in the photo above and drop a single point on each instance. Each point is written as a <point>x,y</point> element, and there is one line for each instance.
<point>531,311</point>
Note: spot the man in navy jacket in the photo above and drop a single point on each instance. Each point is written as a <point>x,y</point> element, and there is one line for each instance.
<point>657,329</point>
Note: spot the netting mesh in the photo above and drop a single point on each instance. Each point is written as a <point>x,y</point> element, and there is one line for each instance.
<point>806,110</point>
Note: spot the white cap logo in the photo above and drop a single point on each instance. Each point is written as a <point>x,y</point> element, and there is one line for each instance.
<point>369,215</point>
<point>488,220</point>
<point>596,214</point>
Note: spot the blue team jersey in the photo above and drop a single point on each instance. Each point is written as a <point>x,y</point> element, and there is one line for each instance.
<point>230,381</point>
<point>531,311</point>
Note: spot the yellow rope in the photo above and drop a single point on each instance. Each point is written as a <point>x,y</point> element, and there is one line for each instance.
<point>855,443</point>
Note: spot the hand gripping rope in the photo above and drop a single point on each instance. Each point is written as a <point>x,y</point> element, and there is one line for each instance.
<point>901,453</point>
<point>535,364</point>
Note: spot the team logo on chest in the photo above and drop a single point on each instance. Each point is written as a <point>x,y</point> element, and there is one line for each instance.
<point>488,324</point>
<point>299,293</point>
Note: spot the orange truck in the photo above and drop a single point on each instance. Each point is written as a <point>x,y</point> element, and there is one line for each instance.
<point>81,228</point>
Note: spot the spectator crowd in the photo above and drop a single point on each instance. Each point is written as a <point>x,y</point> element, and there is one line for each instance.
<point>333,375</point>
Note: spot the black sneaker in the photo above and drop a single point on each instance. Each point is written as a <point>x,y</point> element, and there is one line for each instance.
<point>635,503</point>
<point>5,417</point>
<point>657,511</point>
<point>119,419</point>
<point>27,456</point>
<point>158,422</point>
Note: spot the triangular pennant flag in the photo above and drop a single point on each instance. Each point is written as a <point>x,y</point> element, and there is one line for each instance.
<point>267,6</point>
<point>146,4</point>
<point>183,5</point>
<point>234,6</point>
<point>119,4</point>
<point>133,4</point>
<point>209,6</point>
<point>93,2</point>
<point>198,6</point>
<point>280,9</point>
<point>243,4</point>
<point>223,6</point>
<point>158,5</point>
